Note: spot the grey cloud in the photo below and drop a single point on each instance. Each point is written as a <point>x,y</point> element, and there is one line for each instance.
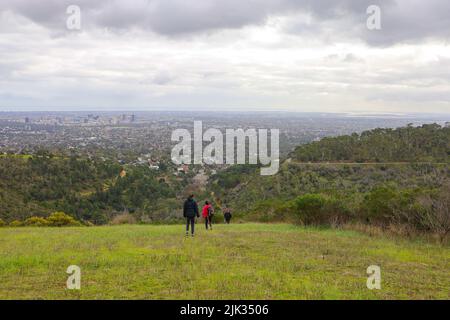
<point>162,78</point>
<point>402,20</point>
<point>349,57</point>
<point>168,17</point>
<point>412,20</point>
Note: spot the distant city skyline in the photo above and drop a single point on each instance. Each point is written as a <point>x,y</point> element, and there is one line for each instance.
<point>273,55</point>
<point>118,110</point>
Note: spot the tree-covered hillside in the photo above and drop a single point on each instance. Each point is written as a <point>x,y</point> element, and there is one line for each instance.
<point>89,190</point>
<point>383,176</point>
<point>380,177</point>
<point>429,143</point>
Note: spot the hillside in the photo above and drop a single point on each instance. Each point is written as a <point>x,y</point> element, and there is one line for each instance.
<point>380,177</point>
<point>243,261</point>
<point>383,176</point>
<point>87,189</point>
<point>428,143</point>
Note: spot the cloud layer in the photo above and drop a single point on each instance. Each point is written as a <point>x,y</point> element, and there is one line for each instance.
<point>403,20</point>
<point>286,54</point>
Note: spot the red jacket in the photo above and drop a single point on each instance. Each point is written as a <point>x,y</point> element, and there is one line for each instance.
<point>205,210</point>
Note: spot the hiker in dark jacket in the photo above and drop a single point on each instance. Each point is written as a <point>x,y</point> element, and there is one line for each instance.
<point>190,211</point>
<point>227,215</point>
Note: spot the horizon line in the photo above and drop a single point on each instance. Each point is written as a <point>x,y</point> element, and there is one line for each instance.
<point>356,113</point>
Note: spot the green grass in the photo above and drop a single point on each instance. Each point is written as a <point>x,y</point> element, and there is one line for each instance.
<point>16,156</point>
<point>242,261</point>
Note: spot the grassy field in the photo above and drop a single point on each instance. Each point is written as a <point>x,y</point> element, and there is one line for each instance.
<point>245,261</point>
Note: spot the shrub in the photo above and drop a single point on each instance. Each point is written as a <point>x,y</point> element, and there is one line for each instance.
<point>16,223</point>
<point>432,213</point>
<point>271,210</point>
<point>60,219</point>
<point>310,208</point>
<point>383,205</point>
<point>124,218</point>
<point>321,209</point>
<point>36,222</point>
<point>99,218</point>
<point>2,223</point>
<point>335,212</point>
<point>378,204</point>
<point>88,223</point>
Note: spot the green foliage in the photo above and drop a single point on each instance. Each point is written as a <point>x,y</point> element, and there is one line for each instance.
<point>36,222</point>
<point>124,218</point>
<point>430,212</point>
<point>378,177</point>
<point>233,176</point>
<point>87,190</point>
<point>380,203</point>
<point>428,143</point>
<point>310,208</point>
<point>16,223</point>
<point>60,219</point>
<point>355,186</point>
<point>88,224</point>
<point>273,210</point>
<point>383,204</point>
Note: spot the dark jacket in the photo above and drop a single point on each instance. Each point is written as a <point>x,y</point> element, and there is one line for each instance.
<point>227,214</point>
<point>190,209</point>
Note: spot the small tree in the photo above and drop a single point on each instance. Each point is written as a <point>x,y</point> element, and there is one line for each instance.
<point>2,223</point>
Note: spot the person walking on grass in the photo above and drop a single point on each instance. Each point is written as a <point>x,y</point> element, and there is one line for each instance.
<point>227,214</point>
<point>207,214</point>
<point>190,211</point>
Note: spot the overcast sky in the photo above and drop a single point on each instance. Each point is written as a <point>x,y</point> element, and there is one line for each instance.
<point>314,55</point>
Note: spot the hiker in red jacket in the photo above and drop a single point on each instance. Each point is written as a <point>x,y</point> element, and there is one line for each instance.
<point>207,214</point>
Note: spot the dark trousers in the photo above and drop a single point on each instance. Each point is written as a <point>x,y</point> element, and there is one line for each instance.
<point>208,221</point>
<point>190,221</point>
